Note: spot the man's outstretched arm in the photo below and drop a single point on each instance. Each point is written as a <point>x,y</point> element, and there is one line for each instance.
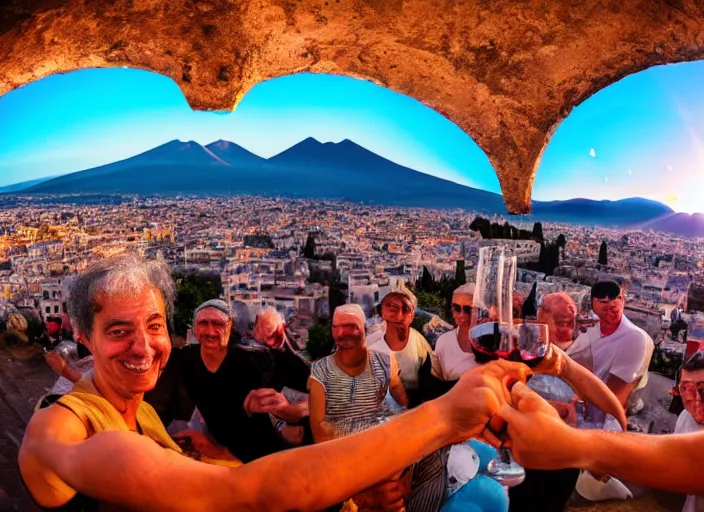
<point>541,440</point>
<point>133,471</point>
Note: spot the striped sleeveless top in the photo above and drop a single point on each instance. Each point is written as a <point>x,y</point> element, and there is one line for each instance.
<point>349,398</point>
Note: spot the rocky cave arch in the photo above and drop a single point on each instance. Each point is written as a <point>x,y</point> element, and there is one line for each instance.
<point>505,72</point>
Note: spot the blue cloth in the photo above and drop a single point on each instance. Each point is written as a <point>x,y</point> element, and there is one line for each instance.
<point>481,493</point>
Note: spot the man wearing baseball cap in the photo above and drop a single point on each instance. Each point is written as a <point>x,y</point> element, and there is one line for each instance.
<point>397,309</point>
<point>616,350</point>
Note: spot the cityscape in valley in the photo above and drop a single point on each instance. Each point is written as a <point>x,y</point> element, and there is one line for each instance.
<point>317,220</point>
<point>290,253</point>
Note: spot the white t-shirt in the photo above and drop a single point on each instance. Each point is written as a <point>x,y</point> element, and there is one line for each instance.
<point>625,353</point>
<point>686,424</point>
<point>453,360</point>
<point>410,359</point>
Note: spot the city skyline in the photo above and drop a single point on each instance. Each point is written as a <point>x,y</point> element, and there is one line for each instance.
<point>639,137</point>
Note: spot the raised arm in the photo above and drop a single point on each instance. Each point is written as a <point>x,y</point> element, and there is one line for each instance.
<point>62,367</point>
<point>540,440</point>
<point>589,387</point>
<point>398,392</point>
<point>322,431</point>
<point>133,471</point>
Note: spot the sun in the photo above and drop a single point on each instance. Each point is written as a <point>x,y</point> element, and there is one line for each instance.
<point>689,199</point>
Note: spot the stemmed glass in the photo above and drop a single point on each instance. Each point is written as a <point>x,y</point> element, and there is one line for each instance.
<point>495,336</point>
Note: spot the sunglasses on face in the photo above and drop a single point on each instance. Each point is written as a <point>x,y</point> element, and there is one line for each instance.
<point>394,308</point>
<point>607,301</point>
<point>690,390</point>
<point>467,310</point>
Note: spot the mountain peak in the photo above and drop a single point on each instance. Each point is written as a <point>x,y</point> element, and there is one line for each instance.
<point>310,141</point>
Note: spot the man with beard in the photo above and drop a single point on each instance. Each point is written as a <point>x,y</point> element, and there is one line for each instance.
<point>396,336</point>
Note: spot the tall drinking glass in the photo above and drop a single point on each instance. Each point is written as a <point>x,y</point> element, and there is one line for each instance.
<point>494,335</point>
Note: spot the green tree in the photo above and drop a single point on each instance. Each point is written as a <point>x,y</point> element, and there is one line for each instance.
<point>309,249</point>
<point>537,232</point>
<point>561,241</point>
<point>460,275</point>
<point>429,300</point>
<point>603,257</point>
<point>427,283</point>
<point>320,341</point>
<point>192,291</point>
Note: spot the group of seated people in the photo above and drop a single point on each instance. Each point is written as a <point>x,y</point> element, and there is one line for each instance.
<point>248,404</point>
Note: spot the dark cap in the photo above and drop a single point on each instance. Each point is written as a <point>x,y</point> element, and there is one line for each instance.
<point>606,290</point>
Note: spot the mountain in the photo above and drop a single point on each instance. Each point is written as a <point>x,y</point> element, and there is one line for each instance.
<point>172,167</point>
<point>312,169</point>
<point>16,187</point>
<point>232,153</point>
<point>621,212</point>
<point>682,224</point>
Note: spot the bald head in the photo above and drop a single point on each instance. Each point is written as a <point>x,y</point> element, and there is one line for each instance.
<point>269,328</point>
<point>351,313</point>
<point>348,323</point>
<point>559,311</point>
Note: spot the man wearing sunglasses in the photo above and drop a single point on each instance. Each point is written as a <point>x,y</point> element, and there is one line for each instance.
<point>453,349</point>
<point>411,349</point>
<point>692,418</point>
<point>616,350</point>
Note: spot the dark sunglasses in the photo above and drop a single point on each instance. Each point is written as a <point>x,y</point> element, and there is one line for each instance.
<point>459,309</point>
<point>690,390</point>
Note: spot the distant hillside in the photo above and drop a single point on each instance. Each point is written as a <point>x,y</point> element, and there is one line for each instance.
<point>16,187</point>
<point>311,169</point>
<point>622,212</point>
<point>682,224</point>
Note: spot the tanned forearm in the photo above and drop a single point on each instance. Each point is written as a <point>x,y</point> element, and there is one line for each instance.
<point>313,477</point>
<point>668,462</point>
<point>379,451</point>
<point>589,387</point>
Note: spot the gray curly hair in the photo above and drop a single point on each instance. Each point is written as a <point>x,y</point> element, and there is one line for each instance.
<point>123,274</point>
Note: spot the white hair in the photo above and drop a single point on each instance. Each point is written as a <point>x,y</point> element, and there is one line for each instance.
<point>126,274</point>
<point>465,289</point>
<point>354,310</point>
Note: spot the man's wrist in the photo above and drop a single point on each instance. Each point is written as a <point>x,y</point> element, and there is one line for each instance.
<point>587,445</point>
<point>440,412</point>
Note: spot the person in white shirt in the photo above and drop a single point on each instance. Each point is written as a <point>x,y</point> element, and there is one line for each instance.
<point>616,350</point>
<point>453,349</point>
<point>411,349</point>
<point>692,418</point>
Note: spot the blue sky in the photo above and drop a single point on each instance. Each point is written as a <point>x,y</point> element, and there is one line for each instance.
<point>640,137</point>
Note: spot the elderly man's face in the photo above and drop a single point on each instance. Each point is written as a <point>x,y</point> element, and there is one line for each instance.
<point>130,341</point>
<point>269,330</point>
<point>561,320</point>
<point>396,309</point>
<point>212,329</point>
<point>462,309</point>
<point>347,332</point>
<point>692,392</point>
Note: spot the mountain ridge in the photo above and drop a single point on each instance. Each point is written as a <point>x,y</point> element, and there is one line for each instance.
<point>336,170</point>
